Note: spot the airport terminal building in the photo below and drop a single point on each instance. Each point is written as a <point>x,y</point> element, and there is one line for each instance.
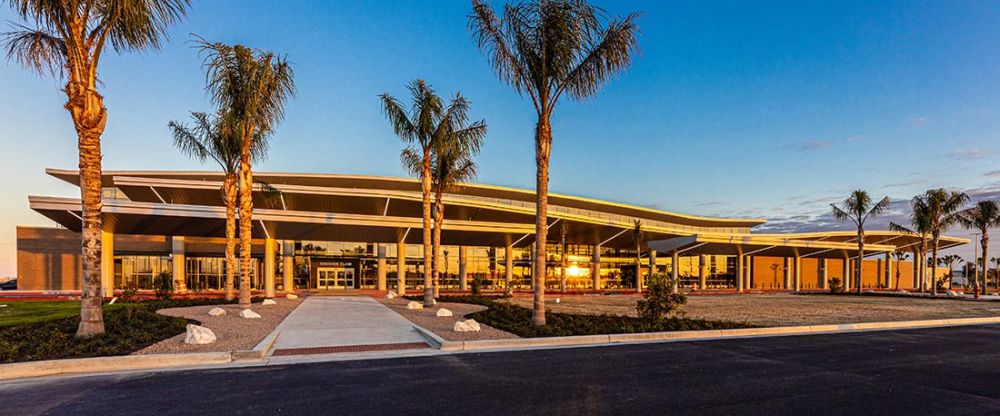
<point>329,232</point>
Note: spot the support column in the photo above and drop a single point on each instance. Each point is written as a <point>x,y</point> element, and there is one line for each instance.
<point>178,264</point>
<point>674,266</point>
<point>846,278</point>
<point>288,266</point>
<point>463,272</point>
<point>652,270</point>
<point>786,273</point>
<point>739,268</point>
<point>401,267</point>
<point>508,269</point>
<point>797,275</point>
<point>748,275</point>
<point>824,275</point>
<point>380,283</point>
<point>269,268</point>
<point>888,270</point>
<point>701,271</point>
<point>107,264</point>
<point>595,267</point>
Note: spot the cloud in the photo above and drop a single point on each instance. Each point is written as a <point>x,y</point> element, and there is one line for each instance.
<point>918,122</point>
<point>904,184</point>
<point>968,153</point>
<point>810,146</point>
<point>992,174</point>
<point>854,138</point>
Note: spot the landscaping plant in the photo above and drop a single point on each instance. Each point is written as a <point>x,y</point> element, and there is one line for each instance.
<point>659,301</point>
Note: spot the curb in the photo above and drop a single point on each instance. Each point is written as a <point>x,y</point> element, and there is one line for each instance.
<point>259,351</point>
<point>102,364</point>
<point>686,336</point>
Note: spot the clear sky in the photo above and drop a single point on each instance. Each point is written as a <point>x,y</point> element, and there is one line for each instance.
<point>772,109</point>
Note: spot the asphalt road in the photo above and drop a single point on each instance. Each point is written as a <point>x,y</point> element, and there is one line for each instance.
<point>915,372</point>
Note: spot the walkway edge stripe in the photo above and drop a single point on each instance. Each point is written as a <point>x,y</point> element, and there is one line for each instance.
<point>105,364</point>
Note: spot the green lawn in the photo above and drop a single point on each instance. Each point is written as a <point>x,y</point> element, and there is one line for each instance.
<point>28,311</point>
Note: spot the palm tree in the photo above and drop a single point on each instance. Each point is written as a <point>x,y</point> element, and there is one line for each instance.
<point>637,237</point>
<point>858,208</point>
<point>920,227</point>
<point>983,216</point>
<point>210,137</point>
<point>943,209</point>
<point>67,40</point>
<point>545,49</point>
<point>428,123</point>
<point>996,273</point>
<point>949,261</point>
<point>563,258</point>
<point>250,86</point>
<point>451,164</point>
<point>899,255</point>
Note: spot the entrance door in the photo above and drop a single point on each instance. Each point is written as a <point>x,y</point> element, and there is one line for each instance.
<point>335,278</point>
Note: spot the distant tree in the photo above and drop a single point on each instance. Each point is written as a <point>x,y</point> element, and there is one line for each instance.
<point>250,86</point>
<point>68,40</point>
<point>920,226</point>
<point>943,209</point>
<point>858,208</point>
<point>548,48</point>
<point>981,217</point>
<point>949,261</point>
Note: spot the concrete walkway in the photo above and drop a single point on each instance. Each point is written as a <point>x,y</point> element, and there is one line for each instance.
<point>327,324</point>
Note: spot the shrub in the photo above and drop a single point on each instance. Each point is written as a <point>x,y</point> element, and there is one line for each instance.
<point>834,284</point>
<point>163,286</point>
<point>477,285</point>
<point>659,301</point>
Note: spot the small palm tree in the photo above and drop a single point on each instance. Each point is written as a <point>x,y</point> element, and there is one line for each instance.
<point>637,239</point>
<point>983,216</point>
<point>858,208</point>
<point>427,124</point>
<point>899,256</point>
<point>68,40</point>
<point>545,49</point>
<point>920,226</point>
<point>949,261</point>
<point>250,86</point>
<point>210,137</point>
<point>943,209</point>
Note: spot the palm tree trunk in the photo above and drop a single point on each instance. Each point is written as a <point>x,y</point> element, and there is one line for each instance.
<point>246,223</point>
<point>934,263</point>
<point>985,239</point>
<point>638,270</point>
<point>562,266</point>
<point>86,107</point>
<point>425,188</point>
<point>543,149</point>
<point>438,220</point>
<point>230,193</point>
<point>861,259</point>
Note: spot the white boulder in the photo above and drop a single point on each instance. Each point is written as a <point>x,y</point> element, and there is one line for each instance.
<point>870,292</point>
<point>217,311</point>
<point>198,335</point>
<point>291,296</point>
<point>414,305</point>
<point>390,295</point>
<point>443,312</point>
<point>113,300</point>
<point>954,294</point>
<point>558,300</point>
<point>268,302</point>
<point>248,314</point>
<point>468,325</point>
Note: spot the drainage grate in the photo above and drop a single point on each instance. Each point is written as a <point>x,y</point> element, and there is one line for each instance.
<point>350,348</point>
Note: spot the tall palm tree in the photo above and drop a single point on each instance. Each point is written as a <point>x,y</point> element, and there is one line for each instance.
<point>858,208</point>
<point>67,40</point>
<point>899,255</point>
<point>637,239</point>
<point>920,226</point>
<point>943,209</point>
<point>949,261</point>
<point>210,137</point>
<point>547,48</point>
<point>983,216</point>
<point>250,86</point>
<point>451,164</point>
<point>427,123</point>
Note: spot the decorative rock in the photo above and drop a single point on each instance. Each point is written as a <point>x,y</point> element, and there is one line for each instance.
<point>870,292</point>
<point>468,325</point>
<point>291,296</point>
<point>390,295</point>
<point>113,300</point>
<point>414,305</point>
<point>198,335</point>
<point>443,312</point>
<point>557,300</point>
<point>954,294</point>
<point>904,292</point>
<point>248,314</point>
<point>269,302</point>
<point>217,311</point>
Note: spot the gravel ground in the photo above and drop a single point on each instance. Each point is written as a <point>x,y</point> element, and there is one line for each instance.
<point>445,326</point>
<point>232,332</point>
<point>784,309</point>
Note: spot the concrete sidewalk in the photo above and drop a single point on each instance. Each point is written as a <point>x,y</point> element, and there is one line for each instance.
<point>342,322</point>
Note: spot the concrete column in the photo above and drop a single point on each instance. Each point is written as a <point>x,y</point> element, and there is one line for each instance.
<point>786,273</point>
<point>674,267</point>
<point>380,283</point>
<point>702,260</point>
<point>824,274</point>
<point>288,266</point>
<point>401,267</point>
<point>797,275</point>
<point>846,278</point>
<point>508,269</point>
<point>178,264</point>
<point>269,268</point>
<point>748,273</point>
<point>107,264</point>
<point>888,270</point>
<point>463,272</point>
<point>595,267</point>
<point>739,268</point>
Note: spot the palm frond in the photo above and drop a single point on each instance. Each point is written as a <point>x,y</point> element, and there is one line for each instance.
<point>400,121</point>
<point>38,50</point>
<point>489,36</point>
<point>412,160</point>
<point>131,25</point>
<point>613,54</point>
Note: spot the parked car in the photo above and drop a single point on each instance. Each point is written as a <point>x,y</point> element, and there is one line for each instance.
<point>9,285</point>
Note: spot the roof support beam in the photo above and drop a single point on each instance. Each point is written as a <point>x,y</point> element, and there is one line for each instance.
<point>613,237</point>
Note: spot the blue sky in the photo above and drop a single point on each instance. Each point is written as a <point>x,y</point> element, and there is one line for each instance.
<point>733,109</point>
